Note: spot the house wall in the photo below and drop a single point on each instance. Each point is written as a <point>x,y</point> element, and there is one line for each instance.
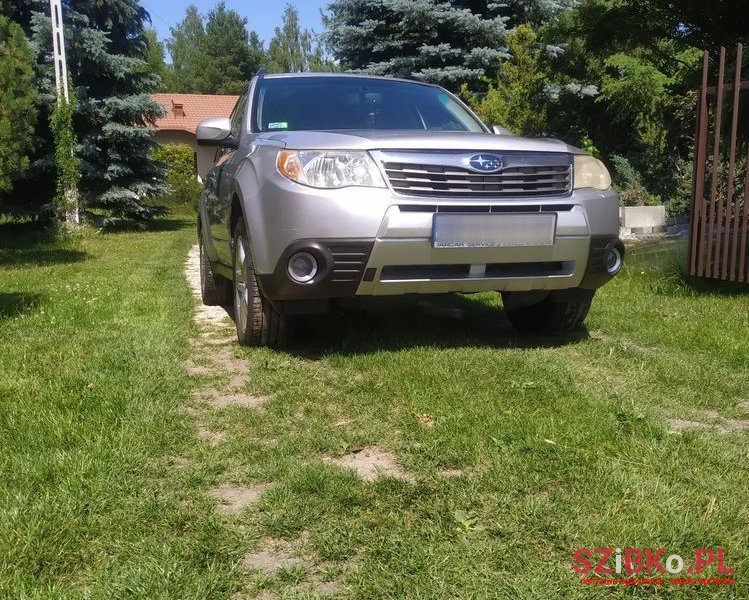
<point>204,154</point>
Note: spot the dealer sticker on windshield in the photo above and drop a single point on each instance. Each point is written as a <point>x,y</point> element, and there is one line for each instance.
<point>278,125</point>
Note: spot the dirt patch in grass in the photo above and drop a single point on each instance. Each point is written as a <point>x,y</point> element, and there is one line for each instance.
<point>220,399</point>
<point>214,438</point>
<point>709,420</point>
<point>234,499</point>
<point>451,472</point>
<point>198,370</point>
<point>370,463</point>
<point>271,557</point>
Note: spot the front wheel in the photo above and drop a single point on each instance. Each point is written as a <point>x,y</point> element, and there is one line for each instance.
<point>557,313</point>
<point>258,323</point>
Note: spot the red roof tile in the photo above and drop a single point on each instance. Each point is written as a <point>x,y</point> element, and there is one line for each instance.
<point>185,111</point>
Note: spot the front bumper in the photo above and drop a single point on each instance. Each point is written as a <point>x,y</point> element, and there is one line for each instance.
<point>371,242</point>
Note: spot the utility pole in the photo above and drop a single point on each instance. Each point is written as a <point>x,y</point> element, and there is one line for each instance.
<point>72,213</point>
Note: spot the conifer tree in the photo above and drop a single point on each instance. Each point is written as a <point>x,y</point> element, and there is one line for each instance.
<point>433,40</point>
<point>106,51</point>
<point>17,102</point>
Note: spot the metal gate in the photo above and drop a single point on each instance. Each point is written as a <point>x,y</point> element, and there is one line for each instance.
<point>720,191</point>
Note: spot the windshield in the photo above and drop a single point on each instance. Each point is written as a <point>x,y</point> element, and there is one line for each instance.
<point>335,103</point>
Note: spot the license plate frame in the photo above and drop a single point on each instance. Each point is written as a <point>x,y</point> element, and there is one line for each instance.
<point>493,230</point>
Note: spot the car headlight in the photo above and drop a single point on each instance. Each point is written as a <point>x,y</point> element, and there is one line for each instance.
<point>329,169</point>
<point>591,173</point>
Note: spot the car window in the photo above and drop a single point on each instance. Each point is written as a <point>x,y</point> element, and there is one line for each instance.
<point>341,103</point>
<point>237,116</point>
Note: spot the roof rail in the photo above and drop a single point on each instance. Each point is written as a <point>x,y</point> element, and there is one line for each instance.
<point>261,72</point>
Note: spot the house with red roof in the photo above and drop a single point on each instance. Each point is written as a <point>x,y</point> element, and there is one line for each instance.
<point>183,113</point>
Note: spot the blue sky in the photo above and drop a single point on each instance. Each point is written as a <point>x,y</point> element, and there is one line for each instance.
<point>262,15</point>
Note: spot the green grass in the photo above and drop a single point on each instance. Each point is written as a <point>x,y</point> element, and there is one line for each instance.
<point>93,334</point>
<point>562,443</point>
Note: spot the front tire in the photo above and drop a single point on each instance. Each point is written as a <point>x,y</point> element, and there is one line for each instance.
<point>258,323</point>
<point>556,314</point>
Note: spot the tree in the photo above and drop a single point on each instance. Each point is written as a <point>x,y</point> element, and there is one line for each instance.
<point>516,99</point>
<point>707,25</point>
<point>185,47</point>
<point>293,49</point>
<point>17,102</point>
<point>641,72</point>
<point>432,40</point>
<point>234,54</point>
<point>155,58</point>
<point>106,48</point>
<point>218,56</point>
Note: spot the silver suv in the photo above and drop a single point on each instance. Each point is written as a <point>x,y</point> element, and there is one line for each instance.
<point>330,187</point>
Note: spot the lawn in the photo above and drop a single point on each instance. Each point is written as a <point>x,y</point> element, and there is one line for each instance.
<point>501,454</point>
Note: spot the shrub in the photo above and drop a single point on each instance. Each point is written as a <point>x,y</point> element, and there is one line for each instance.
<point>632,191</point>
<point>181,176</point>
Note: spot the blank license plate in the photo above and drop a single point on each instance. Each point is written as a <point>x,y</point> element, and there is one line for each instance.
<point>493,230</point>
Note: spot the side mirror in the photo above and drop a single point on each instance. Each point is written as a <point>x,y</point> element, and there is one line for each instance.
<point>215,132</point>
<point>497,130</point>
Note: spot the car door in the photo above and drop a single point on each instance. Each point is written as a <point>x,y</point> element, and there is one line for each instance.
<point>227,164</point>
<point>219,194</point>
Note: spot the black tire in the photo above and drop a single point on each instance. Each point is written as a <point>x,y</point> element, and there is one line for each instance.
<point>552,315</point>
<point>258,323</point>
<point>214,289</point>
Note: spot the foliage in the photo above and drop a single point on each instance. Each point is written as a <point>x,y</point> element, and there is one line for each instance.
<point>18,110</point>
<point>106,46</point>
<point>515,100</point>
<point>697,23</point>
<point>218,56</point>
<point>185,48</point>
<point>534,12</point>
<point>293,49</point>
<point>449,43</point>
<point>155,58</point>
<point>66,158</point>
<point>632,192</point>
<point>625,82</point>
<point>181,175</point>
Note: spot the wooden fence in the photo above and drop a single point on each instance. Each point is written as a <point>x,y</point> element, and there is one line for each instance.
<point>720,192</point>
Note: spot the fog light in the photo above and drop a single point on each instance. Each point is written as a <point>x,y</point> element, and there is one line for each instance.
<point>614,260</point>
<point>302,267</point>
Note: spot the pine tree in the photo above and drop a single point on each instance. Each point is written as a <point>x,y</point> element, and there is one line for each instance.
<point>106,49</point>
<point>433,40</point>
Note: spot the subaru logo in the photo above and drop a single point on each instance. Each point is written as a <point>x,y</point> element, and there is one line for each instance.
<point>486,163</point>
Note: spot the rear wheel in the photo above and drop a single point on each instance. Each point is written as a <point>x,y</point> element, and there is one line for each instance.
<point>258,323</point>
<point>214,289</point>
<point>556,314</point>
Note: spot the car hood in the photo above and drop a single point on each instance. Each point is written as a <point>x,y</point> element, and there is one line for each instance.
<point>414,140</point>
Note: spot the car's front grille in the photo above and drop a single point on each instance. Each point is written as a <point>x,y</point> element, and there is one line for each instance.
<point>415,179</point>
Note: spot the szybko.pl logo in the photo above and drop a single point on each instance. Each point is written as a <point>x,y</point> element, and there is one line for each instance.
<point>604,566</point>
